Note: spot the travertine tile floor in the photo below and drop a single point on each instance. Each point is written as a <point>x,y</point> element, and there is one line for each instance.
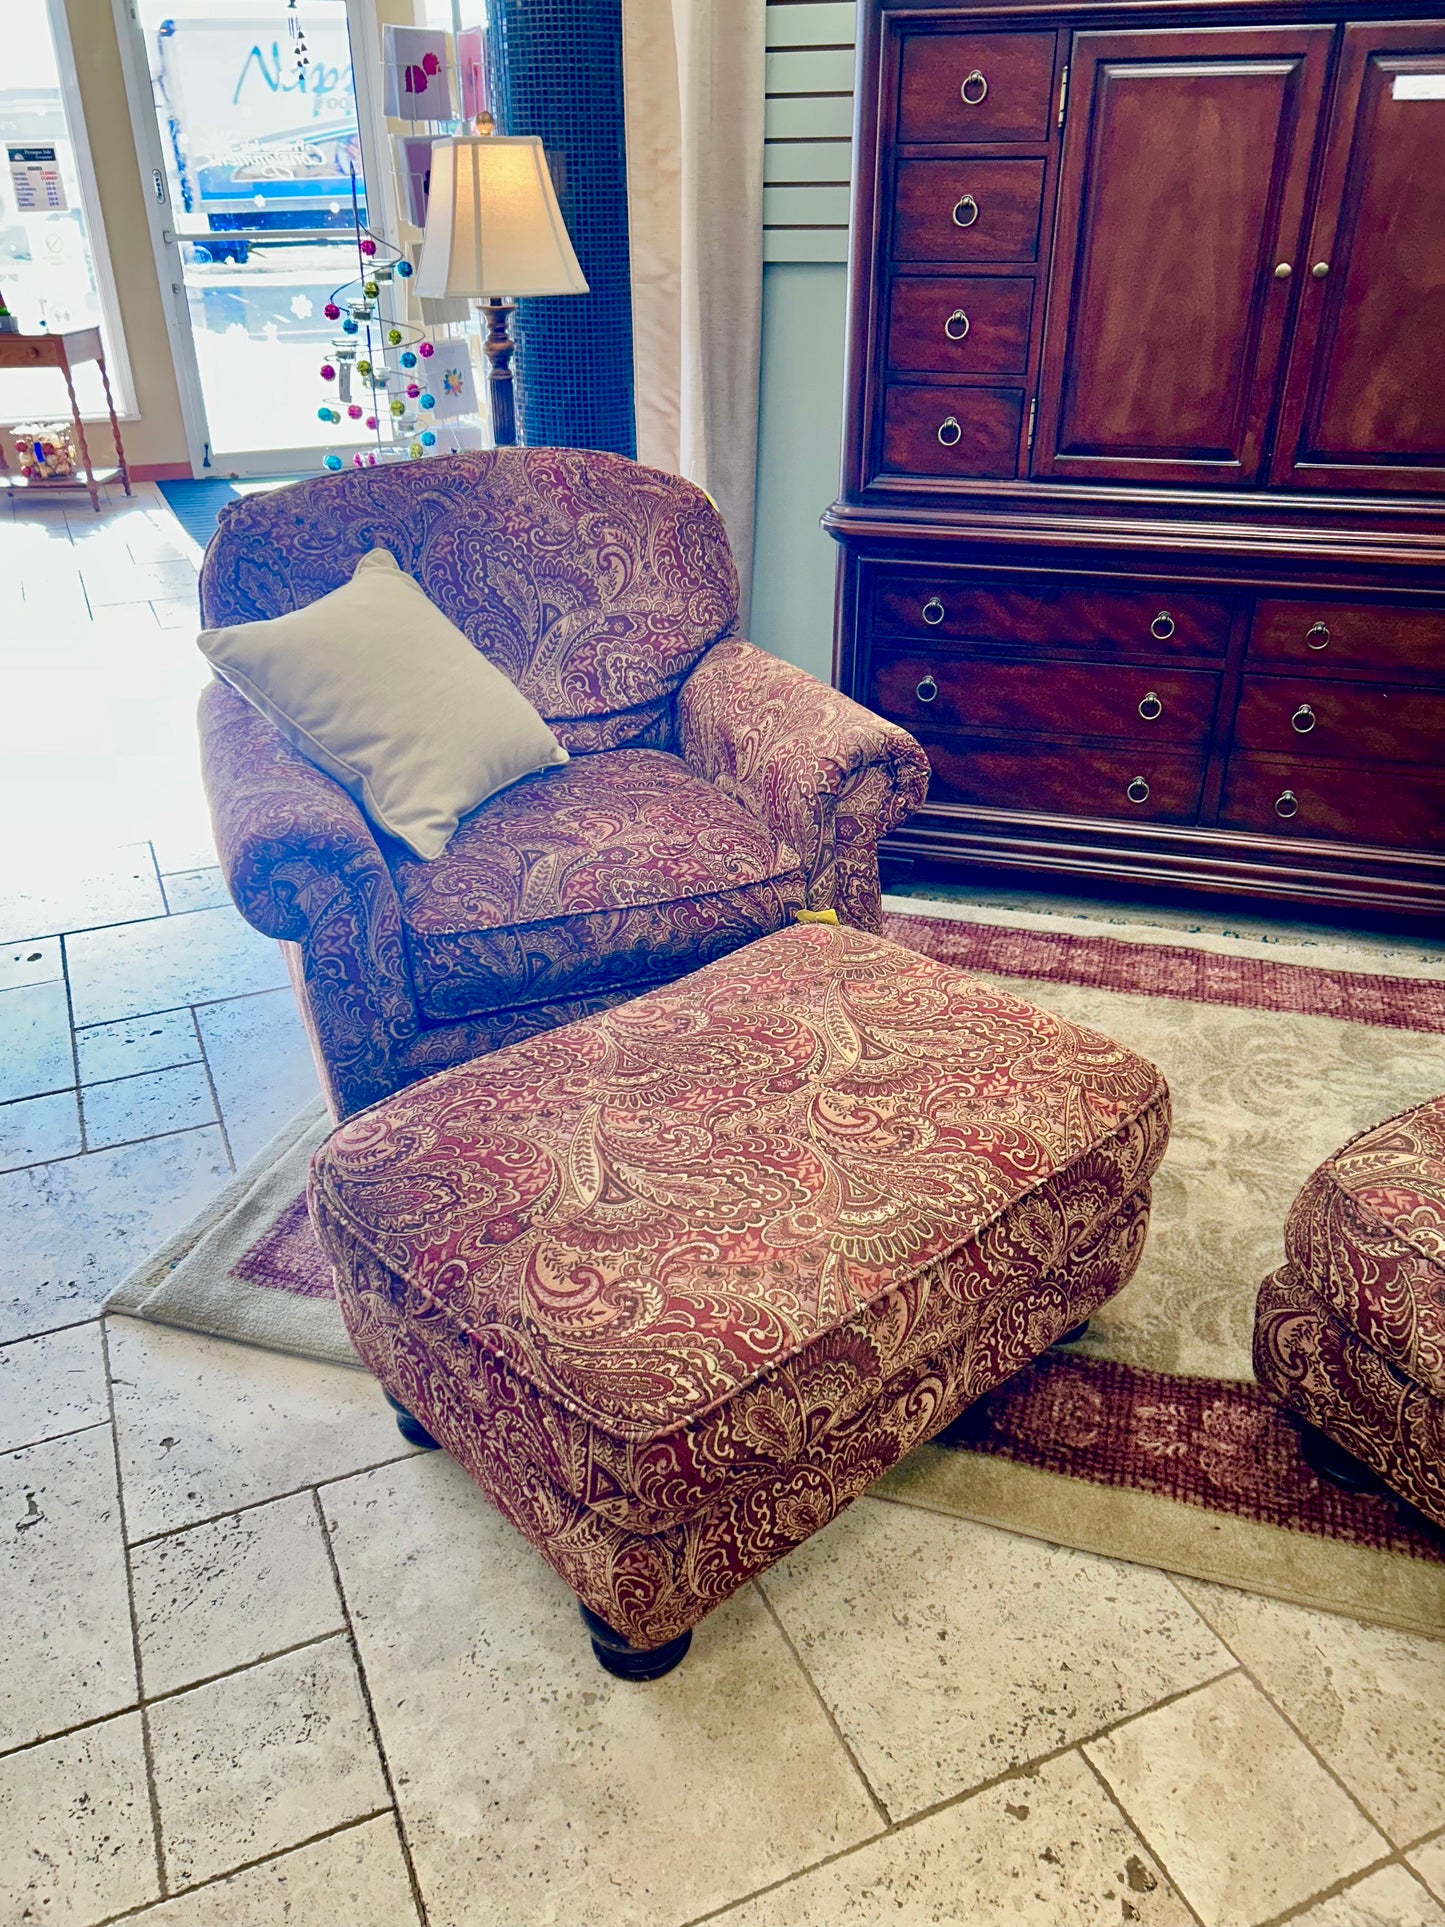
<point>259,1664</point>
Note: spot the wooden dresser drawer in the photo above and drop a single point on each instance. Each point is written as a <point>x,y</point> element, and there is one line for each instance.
<point>1349,721</point>
<point>951,431</point>
<point>1131,622</point>
<point>1073,781</point>
<point>1348,635</point>
<point>960,324</point>
<point>976,87</point>
<point>968,210</point>
<point>1372,806</point>
<point>1153,706</point>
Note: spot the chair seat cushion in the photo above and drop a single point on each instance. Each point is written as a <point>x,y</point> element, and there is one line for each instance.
<point>618,871</point>
<point>700,1234</point>
<point>1367,1236</point>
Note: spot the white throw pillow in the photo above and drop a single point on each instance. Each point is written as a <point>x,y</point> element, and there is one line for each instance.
<point>378,688</point>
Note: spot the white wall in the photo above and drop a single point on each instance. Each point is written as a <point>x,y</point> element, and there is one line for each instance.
<point>805,246</point>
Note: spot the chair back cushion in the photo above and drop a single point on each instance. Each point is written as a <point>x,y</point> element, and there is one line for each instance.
<point>594,583</point>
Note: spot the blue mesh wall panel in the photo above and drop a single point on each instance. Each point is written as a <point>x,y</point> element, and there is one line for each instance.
<point>556,71</point>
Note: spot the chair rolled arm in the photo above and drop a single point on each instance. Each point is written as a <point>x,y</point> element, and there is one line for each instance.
<point>288,837</point>
<point>825,774</point>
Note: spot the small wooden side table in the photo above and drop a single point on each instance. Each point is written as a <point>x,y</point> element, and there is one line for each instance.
<point>66,351</point>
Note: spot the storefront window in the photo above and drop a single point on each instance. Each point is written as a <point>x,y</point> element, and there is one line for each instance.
<point>54,273</point>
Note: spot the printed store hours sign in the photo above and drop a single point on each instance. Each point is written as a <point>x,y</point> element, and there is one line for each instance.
<point>35,180</point>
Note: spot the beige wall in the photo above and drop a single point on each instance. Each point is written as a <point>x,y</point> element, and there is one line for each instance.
<point>158,438</point>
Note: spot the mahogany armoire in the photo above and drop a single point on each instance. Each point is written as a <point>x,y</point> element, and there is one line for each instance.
<point>1143,508</point>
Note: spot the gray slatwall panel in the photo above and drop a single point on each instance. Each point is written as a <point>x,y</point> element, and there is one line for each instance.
<point>809,125</point>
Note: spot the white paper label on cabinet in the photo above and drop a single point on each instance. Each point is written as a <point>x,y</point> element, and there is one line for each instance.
<point>1418,87</point>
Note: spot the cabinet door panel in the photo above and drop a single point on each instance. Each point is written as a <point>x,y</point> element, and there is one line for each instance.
<point>1186,161</point>
<point>1365,398</point>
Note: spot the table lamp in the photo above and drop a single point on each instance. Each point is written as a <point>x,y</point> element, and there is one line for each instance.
<point>494,231</point>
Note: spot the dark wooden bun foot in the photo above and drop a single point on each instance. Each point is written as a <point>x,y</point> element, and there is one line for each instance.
<point>622,1659</point>
<point>412,1430</point>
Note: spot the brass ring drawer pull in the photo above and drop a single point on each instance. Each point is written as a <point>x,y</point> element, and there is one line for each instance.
<point>1138,791</point>
<point>956,326</point>
<point>965,211</point>
<point>1303,720</point>
<point>1318,636</point>
<point>949,432</point>
<point>1162,627</point>
<point>1286,804</point>
<point>1151,709</point>
<point>927,690</point>
<point>933,612</point>
<point>980,87</point>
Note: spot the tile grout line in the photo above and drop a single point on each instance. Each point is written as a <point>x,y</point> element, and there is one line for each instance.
<point>292,1492</point>
<point>125,1144</point>
<point>158,1837</point>
<point>883,1814</point>
<point>1022,1770</point>
<point>1270,1700</point>
<point>160,880</point>
<point>1340,1886</point>
<point>144,1700</point>
<point>50,1331</point>
<point>246,1866</point>
<point>1139,1832</point>
<point>74,1050</point>
<point>52,1438</point>
<point>215,1094</point>
<point>418,1898</point>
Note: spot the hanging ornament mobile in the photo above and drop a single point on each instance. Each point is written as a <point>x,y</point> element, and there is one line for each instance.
<point>298,41</point>
<point>377,346</point>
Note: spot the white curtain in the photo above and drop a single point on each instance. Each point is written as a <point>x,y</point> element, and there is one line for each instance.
<point>694,80</point>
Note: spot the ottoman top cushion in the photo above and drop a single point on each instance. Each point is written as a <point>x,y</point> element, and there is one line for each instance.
<point>1367,1233</point>
<point>640,1214</point>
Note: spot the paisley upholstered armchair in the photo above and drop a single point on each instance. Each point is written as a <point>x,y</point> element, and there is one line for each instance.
<point>712,789</point>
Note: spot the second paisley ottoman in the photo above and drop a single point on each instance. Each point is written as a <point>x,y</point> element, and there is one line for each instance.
<point>677,1283</point>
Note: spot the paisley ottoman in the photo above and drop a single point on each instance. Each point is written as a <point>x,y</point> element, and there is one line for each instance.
<point>1350,1332</point>
<point>678,1282</point>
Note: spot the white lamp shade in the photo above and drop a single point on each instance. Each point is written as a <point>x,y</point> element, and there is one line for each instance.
<point>493,226</point>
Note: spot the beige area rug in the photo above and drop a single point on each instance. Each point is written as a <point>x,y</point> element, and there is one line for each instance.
<point>1148,1440</point>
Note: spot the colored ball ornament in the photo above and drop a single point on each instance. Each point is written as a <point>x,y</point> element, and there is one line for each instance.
<point>412,390</point>
<point>398,406</point>
<point>428,438</point>
<point>368,246</point>
<point>348,327</point>
<point>333,461</point>
<point>403,268</point>
<point>363,368</point>
<point>371,421</point>
<point>416,451</point>
<point>425,350</point>
<point>327,415</point>
<point>354,412</point>
<point>370,290</point>
<point>331,311</point>
<point>371,461</point>
<point>328,373</point>
<point>426,401</point>
<point>393,337</point>
<point>356,462</point>
<point>408,360</point>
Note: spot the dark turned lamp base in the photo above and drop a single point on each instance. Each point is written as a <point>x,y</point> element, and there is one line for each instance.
<point>615,1654</point>
<point>498,347</point>
<point>1334,1464</point>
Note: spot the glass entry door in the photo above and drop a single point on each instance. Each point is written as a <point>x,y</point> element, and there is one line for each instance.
<point>261,155</point>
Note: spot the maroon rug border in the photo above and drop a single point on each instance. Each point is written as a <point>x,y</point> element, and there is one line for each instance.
<point>1171,970</point>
